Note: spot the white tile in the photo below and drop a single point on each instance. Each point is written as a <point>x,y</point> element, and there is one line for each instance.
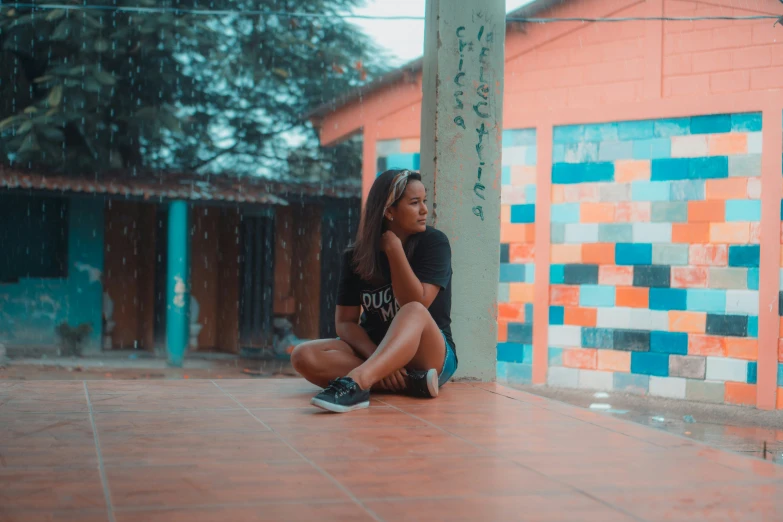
<point>645,319</point>
<point>671,387</point>
<point>744,302</point>
<point>754,143</point>
<point>581,233</point>
<point>652,232</point>
<point>563,377</point>
<point>614,318</point>
<point>511,195</point>
<point>565,336</point>
<point>503,292</point>
<point>513,156</point>
<point>614,192</point>
<point>596,380</point>
<point>690,146</point>
<point>725,369</point>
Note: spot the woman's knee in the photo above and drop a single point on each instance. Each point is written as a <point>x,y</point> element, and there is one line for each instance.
<point>302,357</point>
<point>414,307</point>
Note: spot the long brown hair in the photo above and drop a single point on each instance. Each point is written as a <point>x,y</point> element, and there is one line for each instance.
<point>386,191</point>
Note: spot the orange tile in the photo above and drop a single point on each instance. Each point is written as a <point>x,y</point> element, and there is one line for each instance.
<point>728,144</point>
<point>706,345</point>
<point>707,211</point>
<point>613,275</point>
<point>780,399</point>
<point>505,213</point>
<point>558,193</point>
<point>742,348</point>
<point>523,175</point>
<point>780,332</point>
<point>517,233</point>
<point>727,188</point>
<point>689,277</point>
<point>596,213</point>
<point>780,350</point>
<point>632,297</point>
<point>708,255</point>
<point>614,361</point>
<point>626,171</point>
<point>564,254</point>
<point>581,316</point>
<point>502,331</point>
<point>734,233</point>
<point>740,393</point>
<point>688,322</point>
<point>581,193</point>
<point>561,295</point>
<point>511,312</point>
<point>635,212</point>
<point>521,252</point>
<point>582,358</point>
<point>520,292</point>
<point>598,253</point>
<point>690,233</point>
<point>755,233</point>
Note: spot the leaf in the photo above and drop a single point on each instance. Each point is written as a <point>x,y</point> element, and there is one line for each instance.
<point>30,144</point>
<point>91,21</point>
<point>62,31</point>
<point>280,72</point>
<point>55,15</point>
<point>30,110</point>
<point>42,79</point>
<point>51,133</point>
<point>55,96</point>
<point>90,85</point>
<point>7,122</point>
<point>101,45</point>
<point>170,121</point>
<point>106,78</point>
<point>25,127</point>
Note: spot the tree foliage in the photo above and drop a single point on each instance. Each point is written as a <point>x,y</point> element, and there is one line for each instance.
<point>91,90</point>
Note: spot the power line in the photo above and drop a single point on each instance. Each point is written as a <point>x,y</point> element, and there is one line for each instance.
<point>299,14</point>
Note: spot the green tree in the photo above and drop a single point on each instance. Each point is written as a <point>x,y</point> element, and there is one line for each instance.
<point>100,89</point>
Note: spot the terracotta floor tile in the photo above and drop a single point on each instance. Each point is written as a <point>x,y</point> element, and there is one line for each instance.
<point>43,396</point>
<point>565,507</point>
<point>219,483</point>
<point>312,418</point>
<point>360,444</point>
<point>151,401</point>
<point>182,421</point>
<point>177,448</point>
<point>50,489</point>
<point>343,512</point>
<point>423,477</point>
<point>56,516</point>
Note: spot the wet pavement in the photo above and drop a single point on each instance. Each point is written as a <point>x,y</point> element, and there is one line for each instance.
<point>254,450</point>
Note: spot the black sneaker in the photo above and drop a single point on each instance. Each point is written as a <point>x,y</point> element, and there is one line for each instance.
<point>341,396</point>
<point>423,384</point>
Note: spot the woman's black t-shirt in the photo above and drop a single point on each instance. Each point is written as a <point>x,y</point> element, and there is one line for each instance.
<point>431,262</point>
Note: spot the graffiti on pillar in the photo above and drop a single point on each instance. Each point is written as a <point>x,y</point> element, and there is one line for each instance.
<point>179,292</point>
<point>481,109</point>
<point>458,78</point>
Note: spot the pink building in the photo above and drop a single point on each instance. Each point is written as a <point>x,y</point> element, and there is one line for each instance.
<point>641,195</point>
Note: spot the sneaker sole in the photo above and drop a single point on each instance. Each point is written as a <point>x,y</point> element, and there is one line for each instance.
<point>432,382</point>
<point>336,408</point>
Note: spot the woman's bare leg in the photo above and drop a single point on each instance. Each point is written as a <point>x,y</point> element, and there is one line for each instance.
<point>322,361</point>
<point>413,340</point>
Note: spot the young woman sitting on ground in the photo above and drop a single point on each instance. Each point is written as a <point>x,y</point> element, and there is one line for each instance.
<point>393,313</point>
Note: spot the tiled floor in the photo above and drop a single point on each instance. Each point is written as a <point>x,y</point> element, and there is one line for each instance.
<point>254,450</point>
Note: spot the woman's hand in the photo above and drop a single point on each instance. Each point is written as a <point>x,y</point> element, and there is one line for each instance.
<point>390,241</point>
<point>396,382</point>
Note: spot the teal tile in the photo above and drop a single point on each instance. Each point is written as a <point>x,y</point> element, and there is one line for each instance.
<point>743,210</point>
<point>568,133</point>
<point>753,278</point>
<point>635,130</point>
<point>596,295</point>
<point>746,122</point>
<point>601,132</point>
<point>654,148</point>
<point>650,191</point>
<point>565,213</point>
<point>672,127</point>
<point>712,124</point>
<point>706,300</point>
<point>687,190</point>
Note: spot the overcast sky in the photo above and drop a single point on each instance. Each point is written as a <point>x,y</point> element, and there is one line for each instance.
<point>404,39</point>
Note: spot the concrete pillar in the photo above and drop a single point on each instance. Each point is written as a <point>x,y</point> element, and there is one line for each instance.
<point>461,138</point>
<point>178,309</point>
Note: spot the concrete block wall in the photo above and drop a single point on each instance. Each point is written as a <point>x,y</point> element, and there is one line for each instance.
<point>517,254</point>
<point>654,274</point>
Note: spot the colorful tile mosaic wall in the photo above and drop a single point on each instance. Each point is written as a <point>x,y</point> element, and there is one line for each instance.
<point>780,312</point>
<point>517,267</point>
<point>655,255</point>
<point>398,154</point>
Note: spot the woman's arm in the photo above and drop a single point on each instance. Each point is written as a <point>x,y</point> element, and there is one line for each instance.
<point>406,286</point>
<point>346,320</point>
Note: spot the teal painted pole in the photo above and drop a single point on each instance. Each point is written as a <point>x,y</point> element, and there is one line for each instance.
<point>178,308</point>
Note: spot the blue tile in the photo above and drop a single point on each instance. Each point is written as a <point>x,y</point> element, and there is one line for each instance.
<point>529,313</point>
<point>753,278</point>
<point>781,209</point>
<point>744,255</point>
<point>650,191</point>
<point>668,299</point>
<point>505,175</point>
<point>523,213</point>
<point>570,173</point>
<point>520,333</point>
<point>635,130</point>
<point>531,156</point>
<point>629,381</point>
<point>530,272</point>
<point>706,300</point>
<point>568,133</point>
<point>633,254</point>
<point>530,193</point>
<point>667,128</point>
<point>648,363</point>
<point>669,169</point>
<point>519,137</point>
<point>556,274</point>
<point>596,296</point>
<point>512,273</point>
<point>615,150</point>
<point>601,132</point>
<point>746,122</point>
<point>519,373</point>
<point>565,213</point>
<point>752,372</point>
<point>556,315</point>
<point>743,210</point>
<point>558,153</point>
<point>712,124</point>
<point>417,161</point>
<point>753,327</point>
<point>598,172</point>
<point>504,252</point>
<point>401,161</point>
<point>652,149</point>
<point>582,152</point>
<point>555,356</point>
<point>780,374</point>
<point>514,352</point>
<point>669,342</point>
<point>714,167</point>
<point>598,338</point>
<point>689,190</point>
<point>501,369</point>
